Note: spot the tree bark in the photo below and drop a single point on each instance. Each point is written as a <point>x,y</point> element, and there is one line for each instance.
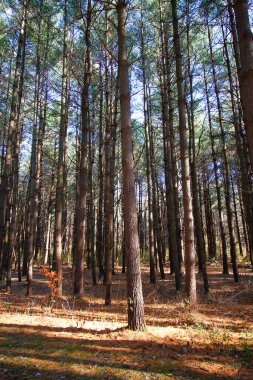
<point>83,167</point>
<point>60,196</point>
<point>11,138</point>
<point>190,276</point>
<point>135,302</point>
<point>99,229</point>
<point>245,40</point>
<point>152,273</point>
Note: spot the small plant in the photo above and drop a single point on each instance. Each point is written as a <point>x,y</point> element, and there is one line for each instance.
<point>52,284</point>
<point>55,298</point>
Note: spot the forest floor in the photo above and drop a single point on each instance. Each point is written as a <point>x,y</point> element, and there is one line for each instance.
<point>83,339</point>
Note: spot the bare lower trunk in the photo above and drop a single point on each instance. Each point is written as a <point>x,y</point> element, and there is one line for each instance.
<point>99,229</point>
<point>134,285</point>
<point>190,277</point>
<point>152,273</point>
<point>80,221</point>
<point>11,138</point>
<point>60,196</point>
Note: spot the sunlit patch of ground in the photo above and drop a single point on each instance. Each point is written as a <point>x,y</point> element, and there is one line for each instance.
<point>82,339</point>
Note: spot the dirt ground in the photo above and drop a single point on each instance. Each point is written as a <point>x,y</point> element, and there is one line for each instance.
<point>83,339</point>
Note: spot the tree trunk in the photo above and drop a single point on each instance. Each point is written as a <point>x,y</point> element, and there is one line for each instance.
<point>11,138</point>
<point>34,167</point>
<point>60,196</point>
<point>217,186</point>
<point>246,183</point>
<point>152,273</point>
<point>210,230</point>
<point>109,175</point>
<point>83,167</point>
<point>245,40</point>
<point>99,229</point>
<point>190,277</point>
<point>134,285</point>
<point>91,224</point>
<point>227,186</point>
<point>200,243</point>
